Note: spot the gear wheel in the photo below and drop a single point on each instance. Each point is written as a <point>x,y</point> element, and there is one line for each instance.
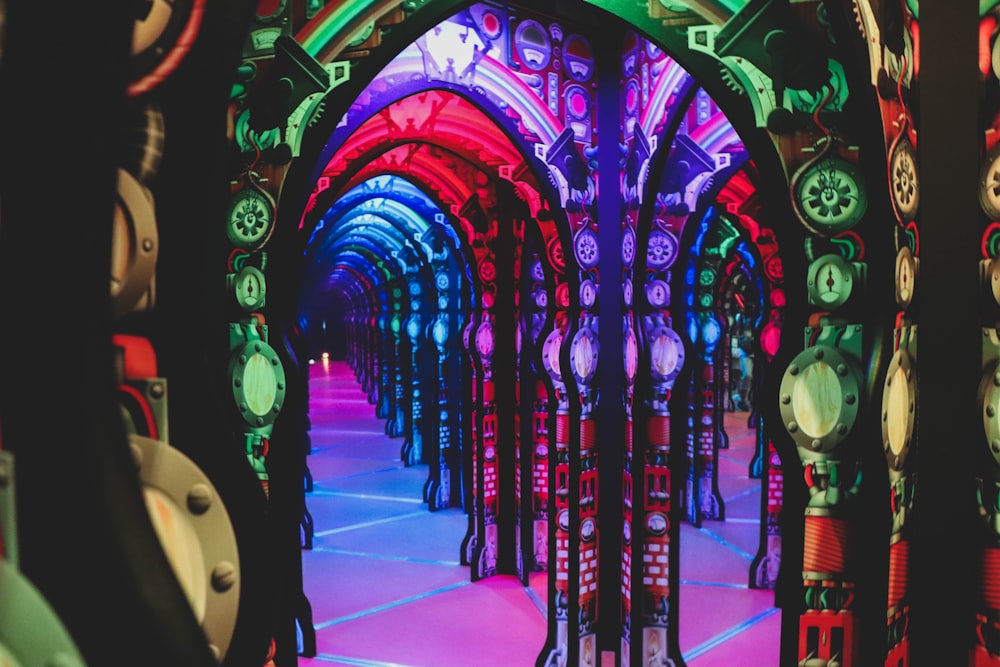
<point>729,79</point>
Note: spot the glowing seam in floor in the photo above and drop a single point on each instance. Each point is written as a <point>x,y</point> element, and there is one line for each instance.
<point>405,559</point>
<point>537,601</point>
<point>721,638</point>
<point>389,605</point>
<point>340,431</point>
<point>735,549</point>
<point>713,584</point>
<point>366,524</point>
<point>364,496</point>
<point>741,494</point>
<point>344,660</point>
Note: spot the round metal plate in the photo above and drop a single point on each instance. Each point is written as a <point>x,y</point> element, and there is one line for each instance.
<point>584,351</point>
<point>906,277</point>
<point>991,410</point>
<point>819,397</point>
<point>134,247</point>
<point>899,401</point>
<point>31,634</point>
<point>830,281</point>
<point>829,195</point>
<point>196,534</point>
<point>903,180</point>
<point>258,381</point>
<point>666,350</point>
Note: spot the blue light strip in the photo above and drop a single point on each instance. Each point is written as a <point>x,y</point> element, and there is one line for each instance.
<point>359,662</point>
<point>537,601</point>
<point>365,496</point>
<point>390,605</point>
<point>735,549</point>
<point>402,559</point>
<point>367,524</point>
<point>721,638</point>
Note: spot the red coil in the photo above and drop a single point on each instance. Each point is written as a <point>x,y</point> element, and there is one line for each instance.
<point>562,430</point>
<point>899,572</point>
<point>489,392</point>
<point>588,433</point>
<point>628,436</point>
<point>991,577</point>
<point>826,545</point>
<point>658,430</point>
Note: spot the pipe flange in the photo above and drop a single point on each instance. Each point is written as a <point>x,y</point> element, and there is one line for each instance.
<point>899,403</point>
<point>196,534</point>
<point>818,399</point>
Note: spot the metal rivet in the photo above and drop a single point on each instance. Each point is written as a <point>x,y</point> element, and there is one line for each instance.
<point>885,416</point>
<point>277,408</point>
<point>274,361</point>
<point>842,429</point>
<point>243,358</point>
<point>816,444</point>
<point>243,407</point>
<point>996,379</point>
<point>281,387</point>
<point>199,498</point>
<point>792,427</point>
<point>990,411</point>
<point>257,347</point>
<point>793,369</point>
<point>786,399</point>
<point>157,390</point>
<point>147,245</point>
<point>818,353</point>
<point>850,399</point>
<point>223,576</point>
<point>260,421</point>
<point>841,369</point>
<point>237,382</point>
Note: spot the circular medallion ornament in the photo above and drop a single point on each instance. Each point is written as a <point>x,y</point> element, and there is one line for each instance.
<point>439,332</point>
<point>906,276</point>
<point>818,398</point>
<point>554,251</point>
<point>441,281</point>
<point>662,250</point>
<point>585,247</point>
<point>484,340</point>
<point>630,355</point>
<point>250,218</point>
<point>658,293</point>
<point>830,281</point>
<point>903,180</point>
<point>415,288</point>
<point>541,298</point>
<point>134,246</point>
<point>990,391</point>
<point>627,293</point>
<point>828,195</point>
<point>657,523</point>
<point>588,293</point>
<point>250,288</point>
<point>196,533</point>
<point>989,183</point>
<point>550,354</point>
<point>258,383</point>
<point>487,271</point>
<point>628,246</point>
<point>583,351</point>
<point>899,400</point>
<point>666,352</point>
<point>537,271</point>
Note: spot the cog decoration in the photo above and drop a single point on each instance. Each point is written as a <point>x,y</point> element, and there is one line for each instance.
<point>989,183</point>
<point>828,195</point>
<point>250,217</point>
<point>903,180</point>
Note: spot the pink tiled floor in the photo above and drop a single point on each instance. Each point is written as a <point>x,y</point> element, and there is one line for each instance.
<point>387,589</point>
